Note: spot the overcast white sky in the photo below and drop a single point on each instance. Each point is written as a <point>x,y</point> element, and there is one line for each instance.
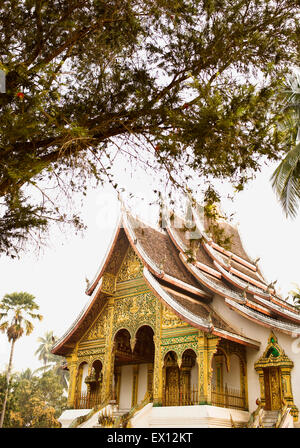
<point>57,277</point>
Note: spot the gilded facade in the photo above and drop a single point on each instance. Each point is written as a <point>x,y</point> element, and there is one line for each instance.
<point>152,332</point>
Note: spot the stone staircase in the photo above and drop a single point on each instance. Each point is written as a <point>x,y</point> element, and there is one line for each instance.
<point>115,414</point>
<point>269,419</point>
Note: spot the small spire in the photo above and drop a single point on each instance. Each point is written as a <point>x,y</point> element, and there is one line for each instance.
<point>245,292</point>
<point>211,325</point>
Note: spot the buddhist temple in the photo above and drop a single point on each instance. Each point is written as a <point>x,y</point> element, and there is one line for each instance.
<point>180,330</point>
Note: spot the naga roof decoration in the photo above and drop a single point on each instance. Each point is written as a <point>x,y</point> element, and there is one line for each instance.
<point>184,268</point>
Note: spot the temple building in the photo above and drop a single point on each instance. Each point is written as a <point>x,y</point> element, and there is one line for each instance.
<point>181,331</point>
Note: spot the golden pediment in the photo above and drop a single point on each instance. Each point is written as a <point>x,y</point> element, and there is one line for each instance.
<point>131,267</point>
<point>99,328</point>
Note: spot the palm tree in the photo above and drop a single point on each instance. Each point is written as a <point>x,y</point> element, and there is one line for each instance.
<point>44,350</point>
<point>54,362</point>
<point>286,177</point>
<point>62,373</point>
<point>27,374</point>
<point>17,311</point>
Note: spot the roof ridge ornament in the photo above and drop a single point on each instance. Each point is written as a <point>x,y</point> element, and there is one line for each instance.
<point>245,290</point>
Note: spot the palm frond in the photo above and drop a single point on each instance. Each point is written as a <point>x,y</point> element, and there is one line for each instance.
<point>29,327</point>
<point>4,326</point>
<point>286,181</point>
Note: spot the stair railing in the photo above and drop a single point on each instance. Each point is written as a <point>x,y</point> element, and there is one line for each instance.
<point>282,415</point>
<point>255,420</point>
<point>123,420</point>
<point>84,418</point>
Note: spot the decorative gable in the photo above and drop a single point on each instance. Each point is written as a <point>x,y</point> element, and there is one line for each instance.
<point>131,267</point>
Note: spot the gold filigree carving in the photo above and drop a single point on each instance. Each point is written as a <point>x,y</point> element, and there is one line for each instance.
<point>131,267</point>
<point>134,311</point>
<point>274,369</point>
<point>108,283</point>
<point>171,320</point>
<point>99,328</point>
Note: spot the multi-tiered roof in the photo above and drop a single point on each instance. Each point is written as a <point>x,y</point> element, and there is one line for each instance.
<point>185,268</point>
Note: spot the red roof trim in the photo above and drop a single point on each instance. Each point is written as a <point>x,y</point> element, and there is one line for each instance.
<point>280,303</point>
<point>258,308</point>
<point>207,269</point>
<point>223,334</point>
<point>233,256</point>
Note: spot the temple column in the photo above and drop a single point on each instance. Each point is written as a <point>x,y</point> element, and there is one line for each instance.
<point>262,386</point>
<point>72,366</point>
<point>157,373</point>
<point>219,371</point>
<point>158,365</point>
<point>150,380</point>
<point>185,384</point>
<point>286,384</point>
<point>108,367</point>
<point>202,361</point>
<point>212,346</point>
<point>244,382</point>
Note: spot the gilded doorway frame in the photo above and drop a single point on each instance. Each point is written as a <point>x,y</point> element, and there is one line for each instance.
<point>274,357</point>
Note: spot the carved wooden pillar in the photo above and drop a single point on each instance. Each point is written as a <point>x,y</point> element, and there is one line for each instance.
<point>261,378</point>
<point>158,367</point>
<point>108,367</point>
<point>88,385</point>
<point>219,373</point>
<point>185,384</point>
<point>244,381</point>
<point>212,345</point>
<point>202,368</point>
<point>150,379</point>
<point>287,389</point>
<point>157,373</point>
<point>72,366</point>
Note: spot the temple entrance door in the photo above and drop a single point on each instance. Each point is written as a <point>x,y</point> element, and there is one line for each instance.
<point>172,386</point>
<point>273,394</point>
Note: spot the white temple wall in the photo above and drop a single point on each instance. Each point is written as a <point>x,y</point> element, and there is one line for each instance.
<point>142,382</point>
<point>126,387</point>
<point>233,377</point>
<point>85,369</point>
<point>260,333</point>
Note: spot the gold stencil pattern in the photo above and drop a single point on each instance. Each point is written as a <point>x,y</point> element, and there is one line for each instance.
<point>134,311</point>
<point>131,267</point>
<point>99,328</point>
<point>170,320</point>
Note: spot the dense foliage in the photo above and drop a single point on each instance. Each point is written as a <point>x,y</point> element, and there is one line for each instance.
<point>11,404</point>
<point>186,86</point>
<point>34,402</point>
<point>17,311</point>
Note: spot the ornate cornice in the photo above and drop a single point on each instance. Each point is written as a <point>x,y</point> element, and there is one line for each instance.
<point>191,318</point>
<point>264,320</point>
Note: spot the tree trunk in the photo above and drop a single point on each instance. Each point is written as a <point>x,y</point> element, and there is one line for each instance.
<point>7,380</point>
